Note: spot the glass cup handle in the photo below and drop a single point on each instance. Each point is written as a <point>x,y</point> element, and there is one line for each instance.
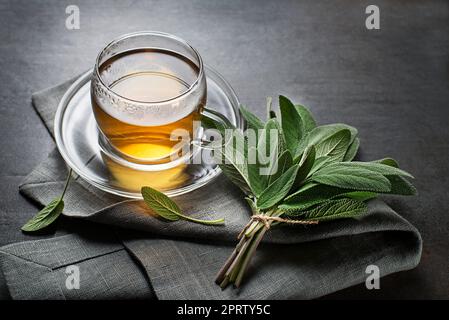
<point>215,118</point>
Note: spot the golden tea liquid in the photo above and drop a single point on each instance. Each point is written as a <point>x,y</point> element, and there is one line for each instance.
<point>150,80</point>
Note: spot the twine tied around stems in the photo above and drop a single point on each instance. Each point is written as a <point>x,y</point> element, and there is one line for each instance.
<point>266,219</point>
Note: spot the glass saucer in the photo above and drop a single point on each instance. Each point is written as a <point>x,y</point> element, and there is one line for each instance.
<point>77,138</point>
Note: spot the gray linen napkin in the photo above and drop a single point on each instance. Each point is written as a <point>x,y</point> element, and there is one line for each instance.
<point>140,256</point>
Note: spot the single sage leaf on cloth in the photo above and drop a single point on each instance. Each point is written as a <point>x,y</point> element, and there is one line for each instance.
<point>167,208</point>
<point>161,204</point>
<point>49,213</point>
<point>46,216</point>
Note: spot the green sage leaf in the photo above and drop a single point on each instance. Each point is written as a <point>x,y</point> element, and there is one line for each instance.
<point>291,123</point>
<point>49,213</point>
<point>401,186</point>
<point>319,163</point>
<point>334,146</point>
<point>310,195</point>
<point>161,204</point>
<point>305,165</point>
<point>251,119</point>
<point>332,210</point>
<point>358,195</point>
<point>308,121</point>
<point>234,165</point>
<point>282,164</point>
<point>374,167</point>
<point>352,150</point>
<point>257,181</point>
<point>276,191</point>
<point>46,216</point>
<point>320,133</point>
<point>167,208</point>
<point>388,161</point>
<point>352,177</point>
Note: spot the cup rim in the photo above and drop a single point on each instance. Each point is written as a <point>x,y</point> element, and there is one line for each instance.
<point>146,33</point>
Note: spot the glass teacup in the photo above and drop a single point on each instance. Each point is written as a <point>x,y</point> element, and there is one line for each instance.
<point>146,86</point>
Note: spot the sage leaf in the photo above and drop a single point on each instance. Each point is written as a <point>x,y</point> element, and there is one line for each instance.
<point>352,150</point>
<point>372,166</point>
<point>235,176</point>
<point>332,210</point>
<point>276,191</point>
<point>358,195</point>
<point>233,164</point>
<point>269,146</point>
<point>49,213</point>
<point>161,204</point>
<point>252,120</point>
<point>319,163</point>
<point>305,165</point>
<point>355,178</point>
<point>320,133</point>
<point>291,124</point>
<point>252,205</point>
<point>388,161</point>
<point>309,196</point>
<point>334,146</point>
<point>269,136</point>
<point>282,164</point>
<point>46,216</point>
<point>307,119</point>
<point>167,208</point>
<point>401,186</point>
<point>312,191</point>
<point>257,181</point>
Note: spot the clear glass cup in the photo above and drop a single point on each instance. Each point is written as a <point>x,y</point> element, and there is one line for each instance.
<point>145,87</point>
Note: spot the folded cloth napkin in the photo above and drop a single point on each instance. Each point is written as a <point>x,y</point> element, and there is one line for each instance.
<point>140,256</point>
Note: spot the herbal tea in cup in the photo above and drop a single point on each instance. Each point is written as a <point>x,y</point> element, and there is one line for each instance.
<point>145,86</point>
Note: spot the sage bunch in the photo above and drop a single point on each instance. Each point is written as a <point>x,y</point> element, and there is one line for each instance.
<point>313,177</point>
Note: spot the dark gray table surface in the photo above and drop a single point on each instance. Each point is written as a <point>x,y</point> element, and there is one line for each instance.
<point>390,83</point>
